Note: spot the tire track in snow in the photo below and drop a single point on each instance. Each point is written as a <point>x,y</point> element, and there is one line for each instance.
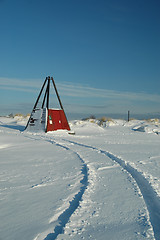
<point>151,199</point>
<point>73,204</point>
<point>65,216</point>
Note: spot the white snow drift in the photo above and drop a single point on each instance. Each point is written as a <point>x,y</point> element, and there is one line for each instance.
<point>101,183</point>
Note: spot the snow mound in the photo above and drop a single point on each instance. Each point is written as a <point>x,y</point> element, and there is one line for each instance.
<point>104,123</point>
<point>101,183</point>
<point>149,126</point>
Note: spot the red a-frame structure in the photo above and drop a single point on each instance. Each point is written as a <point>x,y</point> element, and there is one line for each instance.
<point>44,118</point>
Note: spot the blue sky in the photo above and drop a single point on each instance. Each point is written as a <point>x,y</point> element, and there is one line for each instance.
<point>104,55</point>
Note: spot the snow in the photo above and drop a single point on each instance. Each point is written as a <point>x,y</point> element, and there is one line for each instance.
<point>101,183</point>
<point>37,121</point>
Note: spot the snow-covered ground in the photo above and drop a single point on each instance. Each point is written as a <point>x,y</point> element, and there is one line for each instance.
<point>101,183</point>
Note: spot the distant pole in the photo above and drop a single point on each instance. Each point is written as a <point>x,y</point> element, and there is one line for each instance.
<point>128,115</point>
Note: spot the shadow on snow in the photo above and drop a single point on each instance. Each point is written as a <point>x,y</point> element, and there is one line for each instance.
<point>15,127</point>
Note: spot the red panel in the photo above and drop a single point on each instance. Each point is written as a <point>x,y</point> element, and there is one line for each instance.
<point>56,120</point>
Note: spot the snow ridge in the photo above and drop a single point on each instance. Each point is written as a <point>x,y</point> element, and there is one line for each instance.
<point>73,205</point>
<point>151,199</point>
<point>148,193</point>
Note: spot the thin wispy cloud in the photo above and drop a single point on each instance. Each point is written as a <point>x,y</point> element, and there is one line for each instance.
<point>20,89</point>
<point>76,90</point>
<point>12,82</point>
<point>87,92</point>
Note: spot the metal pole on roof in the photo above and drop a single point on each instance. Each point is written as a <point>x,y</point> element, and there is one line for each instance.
<point>57,93</point>
<point>44,98</point>
<point>36,101</point>
<point>40,94</point>
<point>48,88</point>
